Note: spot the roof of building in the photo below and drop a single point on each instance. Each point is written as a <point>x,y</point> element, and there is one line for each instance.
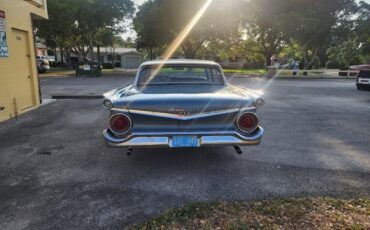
<point>40,46</point>
<point>116,50</point>
<point>179,62</point>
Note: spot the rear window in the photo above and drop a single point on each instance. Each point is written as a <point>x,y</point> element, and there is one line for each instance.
<point>180,75</point>
<point>364,73</point>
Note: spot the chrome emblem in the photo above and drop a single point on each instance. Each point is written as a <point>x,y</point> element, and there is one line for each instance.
<point>179,112</point>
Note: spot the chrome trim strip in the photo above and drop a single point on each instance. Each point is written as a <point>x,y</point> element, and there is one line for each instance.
<point>180,117</point>
<point>119,110</point>
<point>184,117</point>
<point>164,139</point>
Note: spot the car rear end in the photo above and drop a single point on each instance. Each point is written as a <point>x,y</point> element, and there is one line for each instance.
<point>182,114</point>
<point>363,80</point>
<point>121,133</point>
<point>181,128</point>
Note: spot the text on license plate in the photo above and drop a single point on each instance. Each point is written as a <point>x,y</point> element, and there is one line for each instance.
<point>184,141</point>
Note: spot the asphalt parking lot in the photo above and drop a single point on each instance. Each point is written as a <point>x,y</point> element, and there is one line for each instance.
<point>57,173</point>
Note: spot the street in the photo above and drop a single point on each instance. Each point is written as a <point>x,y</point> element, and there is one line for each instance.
<point>57,173</point>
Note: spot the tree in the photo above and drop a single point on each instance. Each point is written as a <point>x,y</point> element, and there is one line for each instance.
<point>58,30</point>
<point>261,26</point>
<point>363,28</point>
<point>151,34</point>
<point>94,15</point>
<point>159,22</point>
<point>128,42</point>
<point>351,42</point>
<point>310,23</point>
<point>346,53</point>
<point>103,38</point>
<point>73,25</point>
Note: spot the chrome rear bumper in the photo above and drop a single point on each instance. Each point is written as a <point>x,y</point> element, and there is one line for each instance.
<point>227,138</point>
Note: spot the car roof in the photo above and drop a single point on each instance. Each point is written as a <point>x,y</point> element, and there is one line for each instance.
<point>179,62</point>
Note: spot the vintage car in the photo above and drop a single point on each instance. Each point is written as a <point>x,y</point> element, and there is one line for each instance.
<point>182,103</point>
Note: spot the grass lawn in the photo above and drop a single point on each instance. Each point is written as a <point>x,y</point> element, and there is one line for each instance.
<point>306,213</point>
<point>245,71</point>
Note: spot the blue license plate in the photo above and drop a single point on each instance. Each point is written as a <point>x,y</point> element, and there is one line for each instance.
<point>184,141</point>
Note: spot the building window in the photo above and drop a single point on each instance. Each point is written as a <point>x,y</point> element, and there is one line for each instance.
<point>118,57</point>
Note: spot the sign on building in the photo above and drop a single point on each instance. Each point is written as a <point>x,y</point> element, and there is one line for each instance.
<point>3,42</point>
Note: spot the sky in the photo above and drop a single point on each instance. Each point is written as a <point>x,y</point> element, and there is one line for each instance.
<point>139,1</point>
<point>130,32</point>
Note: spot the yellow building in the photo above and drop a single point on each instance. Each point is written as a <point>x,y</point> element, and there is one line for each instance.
<point>19,86</point>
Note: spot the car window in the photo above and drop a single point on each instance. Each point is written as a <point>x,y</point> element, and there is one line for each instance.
<point>180,75</point>
<point>364,73</point>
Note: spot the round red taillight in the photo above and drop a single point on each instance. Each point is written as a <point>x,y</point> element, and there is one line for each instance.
<point>247,122</point>
<point>120,124</point>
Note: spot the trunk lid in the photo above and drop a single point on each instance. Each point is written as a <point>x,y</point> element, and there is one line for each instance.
<point>185,108</point>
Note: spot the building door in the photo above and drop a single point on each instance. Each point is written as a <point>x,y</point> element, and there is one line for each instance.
<point>132,62</point>
<point>23,72</point>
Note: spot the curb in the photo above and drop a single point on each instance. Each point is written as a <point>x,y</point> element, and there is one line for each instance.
<point>315,78</point>
<point>84,97</point>
<point>74,76</point>
<point>293,78</point>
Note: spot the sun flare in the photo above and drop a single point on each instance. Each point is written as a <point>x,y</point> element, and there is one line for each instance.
<point>181,37</point>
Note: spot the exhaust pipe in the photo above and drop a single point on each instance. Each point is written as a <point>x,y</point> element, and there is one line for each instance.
<point>130,151</point>
<point>238,150</point>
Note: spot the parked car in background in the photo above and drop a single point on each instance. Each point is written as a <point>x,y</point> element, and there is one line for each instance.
<point>41,67</point>
<point>182,103</point>
<point>363,80</point>
<point>42,64</point>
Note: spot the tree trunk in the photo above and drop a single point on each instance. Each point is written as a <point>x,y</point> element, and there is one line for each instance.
<point>188,50</point>
<point>98,47</point>
<point>268,60</point>
<point>113,56</point>
<point>68,59</point>
<point>91,47</point>
<point>305,58</point>
<point>189,53</point>
<point>61,55</point>
<point>151,53</point>
<point>55,55</point>
<point>314,55</point>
